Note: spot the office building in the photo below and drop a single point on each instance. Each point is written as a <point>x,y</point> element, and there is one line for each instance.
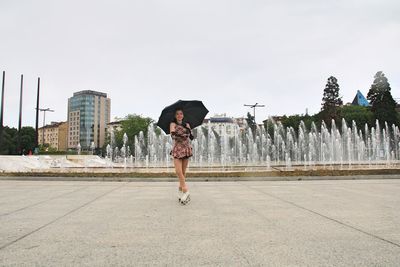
<point>88,116</point>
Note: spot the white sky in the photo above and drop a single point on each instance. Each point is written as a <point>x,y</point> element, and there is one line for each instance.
<point>147,54</point>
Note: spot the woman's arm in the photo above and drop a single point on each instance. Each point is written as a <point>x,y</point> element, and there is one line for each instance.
<point>188,126</point>
<point>173,133</point>
<point>190,131</point>
<point>172,127</point>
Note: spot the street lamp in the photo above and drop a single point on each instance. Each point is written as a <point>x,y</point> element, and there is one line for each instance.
<point>44,110</point>
<point>256,105</point>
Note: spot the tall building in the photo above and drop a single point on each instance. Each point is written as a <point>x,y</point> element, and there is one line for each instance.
<point>88,116</point>
<point>55,135</point>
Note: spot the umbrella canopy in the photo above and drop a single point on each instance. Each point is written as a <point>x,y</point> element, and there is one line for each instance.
<point>194,113</point>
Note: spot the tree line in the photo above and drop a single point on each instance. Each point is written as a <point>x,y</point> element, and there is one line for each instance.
<point>10,141</point>
<point>382,107</point>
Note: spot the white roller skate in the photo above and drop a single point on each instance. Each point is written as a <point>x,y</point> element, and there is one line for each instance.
<point>185,198</point>
<point>180,193</point>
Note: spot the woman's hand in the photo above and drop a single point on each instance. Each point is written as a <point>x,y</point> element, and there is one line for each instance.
<point>191,137</point>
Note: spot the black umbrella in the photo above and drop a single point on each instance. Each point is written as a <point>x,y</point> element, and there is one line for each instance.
<point>194,113</point>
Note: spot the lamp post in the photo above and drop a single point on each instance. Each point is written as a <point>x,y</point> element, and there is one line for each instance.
<point>256,105</point>
<point>44,110</point>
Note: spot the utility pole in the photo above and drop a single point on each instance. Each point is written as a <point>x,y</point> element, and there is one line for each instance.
<point>20,115</point>
<point>37,115</point>
<point>2,111</point>
<point>44,110</point>
<point>256,105</point>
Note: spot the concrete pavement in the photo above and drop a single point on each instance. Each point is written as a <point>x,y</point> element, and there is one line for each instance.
<point>232,223</point>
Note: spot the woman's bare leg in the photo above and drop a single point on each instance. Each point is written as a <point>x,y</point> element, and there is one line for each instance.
<point>179,173</point>
<point>185,163</point>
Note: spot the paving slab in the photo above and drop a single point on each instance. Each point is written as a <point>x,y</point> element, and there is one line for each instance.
<point>231,223</point>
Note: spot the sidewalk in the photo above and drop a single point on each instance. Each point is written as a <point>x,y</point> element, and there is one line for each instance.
<point>232,223</point>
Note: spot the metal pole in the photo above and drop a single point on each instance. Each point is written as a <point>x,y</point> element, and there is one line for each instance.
<point>44,120</point>
<point>37,115</point>
<point>20,116</point>
<point>44,124</point>
<point>2,109</point>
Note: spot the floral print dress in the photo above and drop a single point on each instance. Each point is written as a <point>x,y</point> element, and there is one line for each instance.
<point>182,147</point>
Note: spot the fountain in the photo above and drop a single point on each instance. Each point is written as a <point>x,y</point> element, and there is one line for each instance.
<point>279,147</point>
<point>92,148</point>
<point>230,149</point>
<point>78,148</point>
<point>124,150</point>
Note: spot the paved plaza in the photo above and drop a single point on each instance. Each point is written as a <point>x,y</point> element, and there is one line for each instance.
<point>231,223</point>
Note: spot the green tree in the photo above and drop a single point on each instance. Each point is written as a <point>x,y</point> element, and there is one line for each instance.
<point>10,145</point>
<point>27,139</point>
<point>361,115</point>
<point>269,127</point>
<point>381,100</point>
<point>331,101</point>
<point>132,124</point>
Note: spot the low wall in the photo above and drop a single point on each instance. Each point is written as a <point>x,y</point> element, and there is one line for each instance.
<point>67,166</point>
<point>171,173</point>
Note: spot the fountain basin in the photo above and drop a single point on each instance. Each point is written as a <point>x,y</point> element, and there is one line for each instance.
<point>87,166</point>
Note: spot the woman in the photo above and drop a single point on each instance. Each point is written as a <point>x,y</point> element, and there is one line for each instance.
<point>181,151</point>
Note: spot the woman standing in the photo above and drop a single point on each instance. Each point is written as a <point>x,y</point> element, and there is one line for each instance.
<point>181,152</point>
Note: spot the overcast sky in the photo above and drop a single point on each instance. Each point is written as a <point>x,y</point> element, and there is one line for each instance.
<point>147,54</point>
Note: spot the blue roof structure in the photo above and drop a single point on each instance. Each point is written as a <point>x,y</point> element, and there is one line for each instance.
<point>221,120</point>
<point>360,100</point>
